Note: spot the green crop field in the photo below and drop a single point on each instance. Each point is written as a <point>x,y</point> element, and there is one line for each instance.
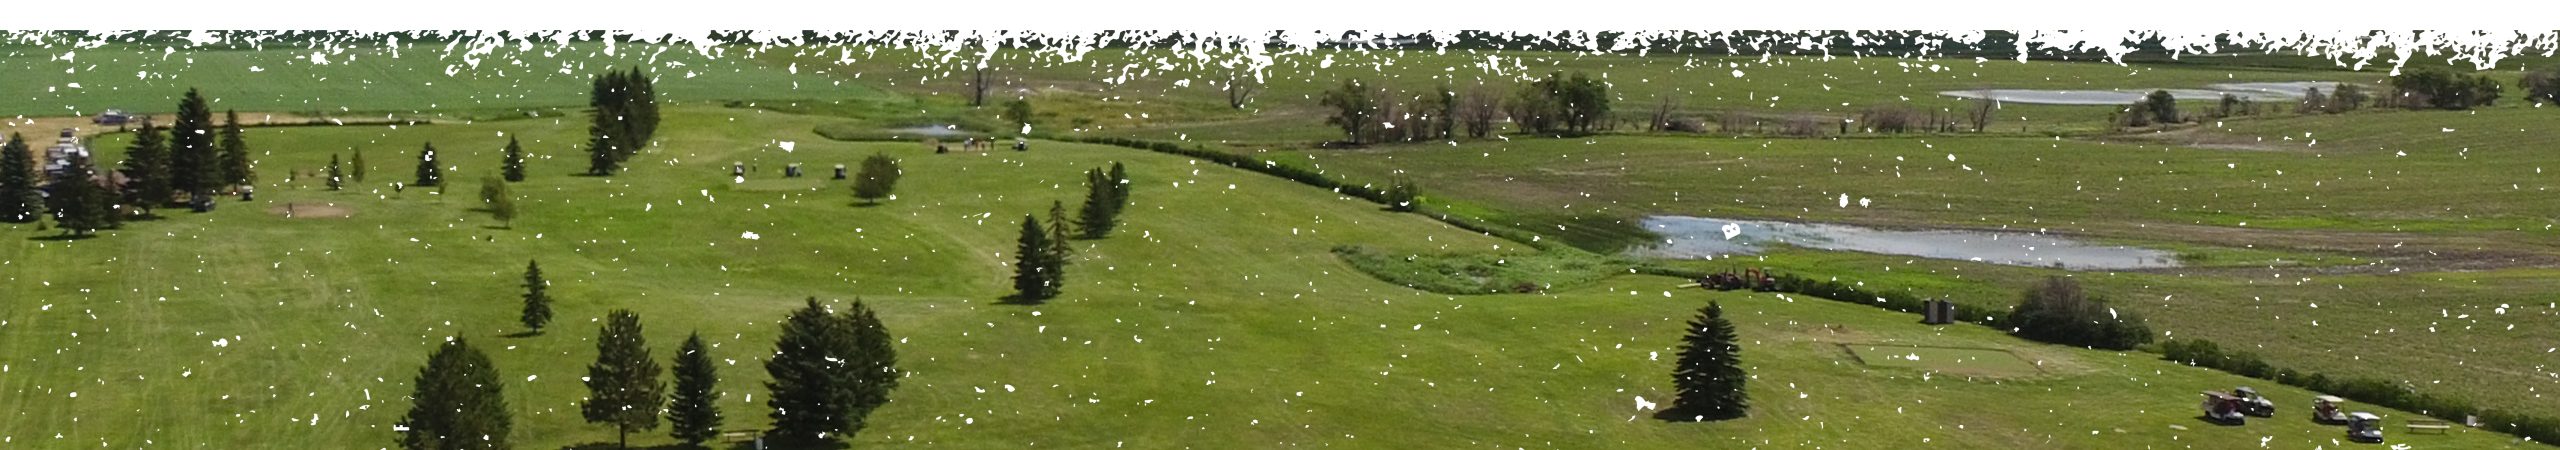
<point>1235,309</point>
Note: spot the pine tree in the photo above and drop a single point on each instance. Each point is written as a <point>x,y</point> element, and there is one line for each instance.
<point>1032,280</point>
<point>642,98</point>
<point>877,179</point>
<point>79,205</point>
<point>459,403</point>
<point>357,163</point>
<point>811,387</point>
<point>1709,374</point>
<point>235,152</point>
<point>603,154</point>
<point>194,167</point>
<point>537,298</point>
<point>1095,219</point>
<point>1059,248</point>
<point>1119,190</point>
<point>514,164</point>
<point>622,385</point>
<point>21,199</point>
<point>146,169</point>
<point>428,173</point>
<point>693,415</point>
<point>873,362</point>
<point>336,176</point>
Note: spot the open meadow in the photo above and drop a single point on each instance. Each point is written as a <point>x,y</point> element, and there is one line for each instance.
<point>1236,309</point>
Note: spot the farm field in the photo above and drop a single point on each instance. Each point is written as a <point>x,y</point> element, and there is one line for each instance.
<point>1239,309</point>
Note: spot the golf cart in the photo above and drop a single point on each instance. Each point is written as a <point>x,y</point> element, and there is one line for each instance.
<point>2328,410</point>
<point>2253,404</point>
<point>2364,427</point>
<point>2222,409</point>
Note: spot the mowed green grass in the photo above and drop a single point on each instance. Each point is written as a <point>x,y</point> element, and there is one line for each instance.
<point>1164,95</point>
<point>1987,362</point>
<point>361,81</point>
<point>2460,194</point>
<point>1217,318</point>
<point>2381,253</point>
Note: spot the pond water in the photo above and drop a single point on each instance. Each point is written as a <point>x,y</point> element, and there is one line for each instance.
<point>2270,91</point>
<point>1701,237</point>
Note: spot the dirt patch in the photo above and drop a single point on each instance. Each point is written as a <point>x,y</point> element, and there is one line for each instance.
<point>311,211</point>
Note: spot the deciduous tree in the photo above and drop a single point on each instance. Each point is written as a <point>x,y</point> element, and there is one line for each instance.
<point>877,179</point>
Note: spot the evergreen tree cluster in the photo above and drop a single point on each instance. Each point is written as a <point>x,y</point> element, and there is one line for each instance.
<point>193,160</point>
<point>624,117</point>
<point>1709,374</point>
<point>829,371</point>
<point>1106,194</point>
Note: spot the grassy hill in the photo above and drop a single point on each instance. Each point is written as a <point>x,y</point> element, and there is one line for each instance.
<point>1218,317</point>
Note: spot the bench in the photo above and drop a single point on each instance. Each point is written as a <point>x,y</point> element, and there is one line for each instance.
<point>740,436</point>
<point>2439,426</point>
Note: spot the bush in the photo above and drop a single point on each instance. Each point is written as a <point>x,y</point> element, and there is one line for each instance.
<point>2431,87</point>
<point>2057,311</point>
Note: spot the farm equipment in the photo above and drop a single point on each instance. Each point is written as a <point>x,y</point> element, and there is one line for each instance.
<point>1752,279</point>
<point>2253,404</point>
<point>2364,427</point>
<point>2223,408</point>
<point>2328,410</point>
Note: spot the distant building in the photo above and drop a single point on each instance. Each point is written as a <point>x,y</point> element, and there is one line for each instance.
<point>58,157</point>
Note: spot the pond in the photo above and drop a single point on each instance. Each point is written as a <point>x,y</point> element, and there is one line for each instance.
<point>1701,237</point>
<point>2267,91</point>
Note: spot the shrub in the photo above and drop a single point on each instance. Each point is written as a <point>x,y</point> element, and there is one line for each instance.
<point>2057,311</point>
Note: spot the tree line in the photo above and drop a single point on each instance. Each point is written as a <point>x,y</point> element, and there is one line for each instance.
<point>189,162</point>
<point>1554,105</point>
<point>829,370</point>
